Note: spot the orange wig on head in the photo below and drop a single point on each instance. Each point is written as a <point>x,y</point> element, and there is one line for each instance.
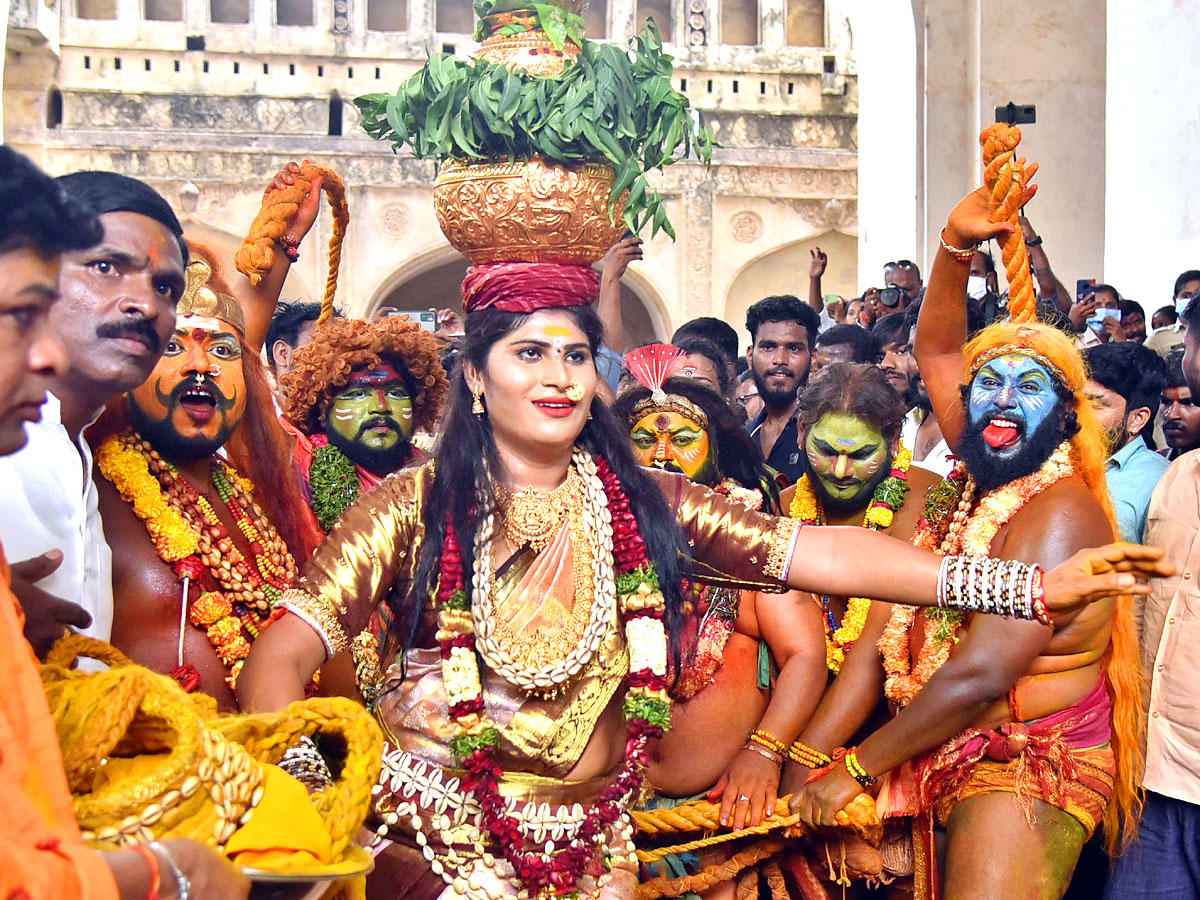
<point>1054,349</point>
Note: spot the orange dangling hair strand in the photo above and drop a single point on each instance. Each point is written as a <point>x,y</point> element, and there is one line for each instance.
<point>1004,177</point>
<point>257,253</point>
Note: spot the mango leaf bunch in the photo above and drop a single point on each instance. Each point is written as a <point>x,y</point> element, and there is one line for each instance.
<point>613,103</point>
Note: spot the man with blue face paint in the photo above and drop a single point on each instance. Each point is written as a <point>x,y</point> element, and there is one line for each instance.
<point>1015,418</point>
<point>1017,741</point>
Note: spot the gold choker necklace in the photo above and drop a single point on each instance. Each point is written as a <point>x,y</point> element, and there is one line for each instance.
<point>534,517</point>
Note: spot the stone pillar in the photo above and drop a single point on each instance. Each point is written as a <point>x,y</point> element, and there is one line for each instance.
<point>421,19</point>
<point>622,18</point>
<point>129,10</point>
<point>1151,198</point>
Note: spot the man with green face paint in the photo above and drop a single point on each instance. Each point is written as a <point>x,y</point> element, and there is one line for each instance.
<point>858,474</point>
<point>354,396</point>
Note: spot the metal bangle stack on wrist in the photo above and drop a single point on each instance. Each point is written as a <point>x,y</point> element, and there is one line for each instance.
<point>304,762</point>
<point>182,886</point>
<point>999,587</point>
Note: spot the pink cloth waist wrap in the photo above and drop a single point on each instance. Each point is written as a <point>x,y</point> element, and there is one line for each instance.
<point>525,287</point>
<point>1042,748</point>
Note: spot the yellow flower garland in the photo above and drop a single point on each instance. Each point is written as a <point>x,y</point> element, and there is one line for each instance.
<point>129,471</point>
<point>879,515</point>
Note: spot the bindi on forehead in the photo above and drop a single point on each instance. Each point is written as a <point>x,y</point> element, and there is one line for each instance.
<point>662,422</point>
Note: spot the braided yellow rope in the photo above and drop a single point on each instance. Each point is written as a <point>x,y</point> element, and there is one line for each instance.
<point>177,769</point>
<point>653,888</point>
<point>257,253</point>
<point>700,815</point>
<point>1004,177</point>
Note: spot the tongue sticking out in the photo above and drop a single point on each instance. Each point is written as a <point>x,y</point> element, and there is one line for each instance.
<point>1000,434</point>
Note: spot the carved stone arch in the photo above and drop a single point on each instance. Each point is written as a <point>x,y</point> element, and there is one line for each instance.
<point>783,269</point>
<point>432,279</point>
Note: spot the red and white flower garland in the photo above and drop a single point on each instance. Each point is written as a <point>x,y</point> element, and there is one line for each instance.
<point>646,706</point>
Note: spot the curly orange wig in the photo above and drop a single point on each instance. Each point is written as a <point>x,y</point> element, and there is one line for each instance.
<point>323,365</point>
<point>1088,454</point>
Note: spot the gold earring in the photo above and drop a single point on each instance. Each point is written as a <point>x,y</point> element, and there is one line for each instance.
<point>477,406</point>
<point>575,391</point>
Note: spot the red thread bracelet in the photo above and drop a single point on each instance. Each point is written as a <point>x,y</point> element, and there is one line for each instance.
<point>155,875</point>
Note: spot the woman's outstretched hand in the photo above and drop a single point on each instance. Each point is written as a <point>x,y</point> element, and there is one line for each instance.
<point>1101,572</point>
<point>971,221</point>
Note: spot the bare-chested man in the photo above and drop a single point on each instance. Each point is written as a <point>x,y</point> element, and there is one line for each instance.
<point>198,498</point>
<point>1018,738</point>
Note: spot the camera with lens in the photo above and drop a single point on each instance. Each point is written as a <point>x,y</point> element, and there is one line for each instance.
<point>891,296</point>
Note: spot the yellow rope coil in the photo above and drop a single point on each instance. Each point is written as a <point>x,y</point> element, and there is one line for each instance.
<point>700,815</point>
<point>257,253</point>
<point>147,761</point>
<point>653,888</point>
<point>1004,177</point>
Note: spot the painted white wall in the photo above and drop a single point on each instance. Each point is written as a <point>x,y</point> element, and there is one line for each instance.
<point>1152,198</point>
<point>885,52</point>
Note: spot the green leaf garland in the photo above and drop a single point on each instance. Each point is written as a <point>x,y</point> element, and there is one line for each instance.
<point>333,480</point>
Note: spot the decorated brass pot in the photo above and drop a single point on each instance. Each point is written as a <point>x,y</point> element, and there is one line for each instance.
<point>530,50</point>
<point>528,211</point>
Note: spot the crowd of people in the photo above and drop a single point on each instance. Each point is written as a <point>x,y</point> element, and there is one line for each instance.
<point>572,578</point>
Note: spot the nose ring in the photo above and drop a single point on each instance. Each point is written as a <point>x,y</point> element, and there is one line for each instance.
<point>575,391</point>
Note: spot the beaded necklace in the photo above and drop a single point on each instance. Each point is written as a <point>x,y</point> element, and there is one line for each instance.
<point>189,535</point>
<point>888,498</point>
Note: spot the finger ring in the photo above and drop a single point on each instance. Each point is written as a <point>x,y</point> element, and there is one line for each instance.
<point>742,798</point>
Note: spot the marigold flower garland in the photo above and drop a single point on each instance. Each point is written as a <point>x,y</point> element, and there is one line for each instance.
<point>887,499</point>
<point>965,533</point>
<point>476,739</point>
<point>188,534</point>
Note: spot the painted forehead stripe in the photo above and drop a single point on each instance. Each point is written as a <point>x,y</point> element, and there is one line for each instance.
<point>1015,350</point>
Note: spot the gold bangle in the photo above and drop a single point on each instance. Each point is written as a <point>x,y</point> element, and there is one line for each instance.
<point>964,256</point>
<point>808,756</point>
<point>765,753</point>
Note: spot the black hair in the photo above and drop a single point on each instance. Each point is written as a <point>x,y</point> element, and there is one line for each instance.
<point>783,308</point>
<point>1169,311</point>
<point>1135,372</point>
<point>699,346</point>
<point>287,320</point>
<point>862,346</point>
<point>988,263</point>
<point>1175,376</point>
<point>1107,287</point>
<point>976,317</point>
<point>1191,313</point>
<point>1184,278</point>
<point>719,332</point>
<point>1129,307</point>
<point>38,215</point>
<point>108,192</point>
<point>737,455</point>
<point>467,453</point>
<point>891,329</point>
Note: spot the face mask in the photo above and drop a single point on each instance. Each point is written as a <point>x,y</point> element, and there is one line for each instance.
<point>976,287</point>
<point>1181,304</point>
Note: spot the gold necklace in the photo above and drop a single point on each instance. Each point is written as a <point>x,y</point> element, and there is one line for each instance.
<point>534,517</point>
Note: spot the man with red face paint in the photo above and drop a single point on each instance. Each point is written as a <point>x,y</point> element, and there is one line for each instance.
<point>197,498</point>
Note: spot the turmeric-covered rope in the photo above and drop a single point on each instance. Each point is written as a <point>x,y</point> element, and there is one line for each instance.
<point>1004,177</point>
<point>700,815</point>
<point>257,253</point>
<point>653,888</point>
<point>186,771</point>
